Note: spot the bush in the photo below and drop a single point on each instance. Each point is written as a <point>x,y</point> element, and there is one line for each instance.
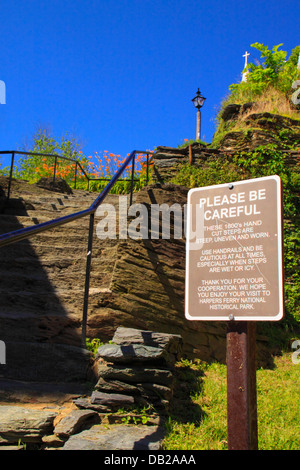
<point>269,83</point>
<point>102,166</point>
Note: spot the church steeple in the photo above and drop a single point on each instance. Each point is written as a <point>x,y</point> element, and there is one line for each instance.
<point>244,74</point>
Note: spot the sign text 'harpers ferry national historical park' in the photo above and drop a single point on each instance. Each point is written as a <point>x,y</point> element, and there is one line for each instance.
<point>234,266</point>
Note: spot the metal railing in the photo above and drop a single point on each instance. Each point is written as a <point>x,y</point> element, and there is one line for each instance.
<point>56,161</point>
<point>26,232</point>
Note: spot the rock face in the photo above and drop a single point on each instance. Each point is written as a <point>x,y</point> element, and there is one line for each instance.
<point>116,375</point>
<point>260,129</point>
<point>233,110</point>
<point>59,185</point>
<point>146,289</point>
<point>135,283</point>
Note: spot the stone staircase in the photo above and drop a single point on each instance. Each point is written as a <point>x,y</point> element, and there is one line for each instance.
<point>42,286</point>
<point>134,284</point>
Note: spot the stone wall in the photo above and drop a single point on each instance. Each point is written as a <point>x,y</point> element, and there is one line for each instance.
<point>166,160</point>
<point>134,370</point>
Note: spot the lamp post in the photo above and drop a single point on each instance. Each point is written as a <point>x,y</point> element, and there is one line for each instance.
<point>198,103</point>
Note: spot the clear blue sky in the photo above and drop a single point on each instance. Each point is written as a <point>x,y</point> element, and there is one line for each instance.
<point>120,74</point>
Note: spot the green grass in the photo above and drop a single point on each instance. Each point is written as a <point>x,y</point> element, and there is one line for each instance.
<point>198,421</point>
<point>278,404</point>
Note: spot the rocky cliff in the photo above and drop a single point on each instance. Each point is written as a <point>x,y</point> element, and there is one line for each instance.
<point>135,282</point>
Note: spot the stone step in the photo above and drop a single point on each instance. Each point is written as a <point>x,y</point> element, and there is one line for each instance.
<point>54,394</point>
<point>61,200</point>
<point>27,264</point>
<point>29,201</point>
<point>42,286</point>
<point>39,254</point>
<point>27,193</point>
<point>73,239</point>
<point>48,213</point>
<point>11,223</point>
<point>59,327</point>
<point>29,327</point>
<point>47,362</point>
<point>38,279</point>
<point>19,289</point>
<point>45,302</point>
<point>15,222</point>
<point>117,438</point>
<point>52,270</point>
<point>29,249</point>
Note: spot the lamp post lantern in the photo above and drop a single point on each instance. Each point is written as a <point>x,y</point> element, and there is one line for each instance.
<point>198,103</point>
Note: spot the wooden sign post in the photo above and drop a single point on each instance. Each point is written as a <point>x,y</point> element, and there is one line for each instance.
<point>234,273</point>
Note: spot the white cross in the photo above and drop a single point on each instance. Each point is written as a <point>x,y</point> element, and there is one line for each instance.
<point>244,75</point>
<point>246,58</point>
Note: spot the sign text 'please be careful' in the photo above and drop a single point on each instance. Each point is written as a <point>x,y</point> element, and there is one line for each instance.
<point>234,251</point>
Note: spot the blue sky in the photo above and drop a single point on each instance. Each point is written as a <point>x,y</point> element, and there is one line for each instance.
<point>120,74</point>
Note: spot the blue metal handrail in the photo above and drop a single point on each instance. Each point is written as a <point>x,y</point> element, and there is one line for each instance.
<point>51,155</point>
<point>26,232</point>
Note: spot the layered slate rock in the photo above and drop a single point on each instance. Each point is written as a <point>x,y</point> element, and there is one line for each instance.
<point>172,343</point>
<point>111,399</point>
<point>117,437</point>
<point>132,353</point>
<point>134,373</point>
<point>112,374</point>
<point>75,421</point>
<point>28,428</point>
<point>28,425</point>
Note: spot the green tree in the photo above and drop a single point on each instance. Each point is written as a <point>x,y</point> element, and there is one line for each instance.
<point>273,70</point>
<point>30,167</point>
